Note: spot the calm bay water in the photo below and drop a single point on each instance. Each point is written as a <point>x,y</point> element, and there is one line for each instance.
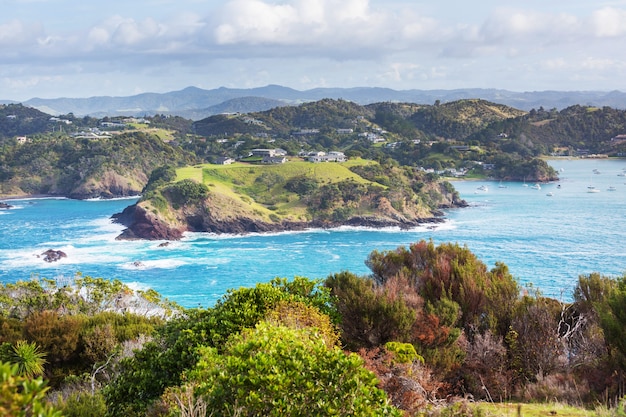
<point>546,240</point>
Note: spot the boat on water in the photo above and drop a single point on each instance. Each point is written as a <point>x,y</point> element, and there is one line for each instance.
<point>550,194</point>
<point>592,189</point>
<point>536,186</point>
<point>501,185</point>
<point>483,188</point>
<point>611,188</point>
<point>595,171</point>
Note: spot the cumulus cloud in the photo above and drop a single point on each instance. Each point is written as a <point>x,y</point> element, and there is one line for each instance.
<point>389,42</point>
<point>609,22</point>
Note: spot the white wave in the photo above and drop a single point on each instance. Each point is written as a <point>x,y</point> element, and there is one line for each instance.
<point>137,286</point>
<point>37,198</point>
<point>194,236</point>
<point>154,264</point>
<point>97,199</point>
<point>33,257</point>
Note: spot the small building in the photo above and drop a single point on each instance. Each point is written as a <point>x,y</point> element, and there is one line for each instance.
<point>269,152</point>
<point>332,156</point>
<point>224,160</point>
<point>274,159</point>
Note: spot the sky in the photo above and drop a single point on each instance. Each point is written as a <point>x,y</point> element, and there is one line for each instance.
<point>85,48</point>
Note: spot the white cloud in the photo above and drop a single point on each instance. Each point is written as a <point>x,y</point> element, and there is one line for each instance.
<point>308,43</point>
<point>609,22</point>
<point>16,32</point>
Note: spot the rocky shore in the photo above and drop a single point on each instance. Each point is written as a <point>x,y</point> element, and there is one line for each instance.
<point>141,224</point>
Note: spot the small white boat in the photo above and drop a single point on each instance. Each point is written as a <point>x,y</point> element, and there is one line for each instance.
<point>611,188</point>
<point>483,188</point>
<point>592,189</point>
<point>536,186</point>
<point>549,194</point>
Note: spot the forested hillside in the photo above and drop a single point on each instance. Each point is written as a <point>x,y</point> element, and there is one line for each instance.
<point>465,137</point>
<point>85,168</point>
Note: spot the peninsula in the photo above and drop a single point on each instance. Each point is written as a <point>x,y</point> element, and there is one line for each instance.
<point>295,195</point>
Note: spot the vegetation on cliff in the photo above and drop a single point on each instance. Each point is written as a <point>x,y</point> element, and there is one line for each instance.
<point>108,166</point>
<point>242,198</point>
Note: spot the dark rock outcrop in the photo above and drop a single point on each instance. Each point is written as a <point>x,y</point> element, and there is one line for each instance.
<point>143,225</point>
<point>5,205</point>
<point>52,255</point>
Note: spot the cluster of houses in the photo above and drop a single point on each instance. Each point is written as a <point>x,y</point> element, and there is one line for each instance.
<point>321,156</point>
<point>279,156</point>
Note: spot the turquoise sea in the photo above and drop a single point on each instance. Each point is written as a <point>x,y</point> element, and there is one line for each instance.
<point>546,240</point>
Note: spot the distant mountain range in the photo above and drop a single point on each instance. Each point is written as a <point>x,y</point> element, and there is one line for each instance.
<point>196,103</point>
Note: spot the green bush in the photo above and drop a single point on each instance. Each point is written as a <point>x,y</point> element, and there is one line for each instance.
<point>279,371</point>
<point>83,404</point>
<point>186,192</point>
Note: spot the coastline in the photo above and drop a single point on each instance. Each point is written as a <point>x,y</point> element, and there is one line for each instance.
<point>12,197</point>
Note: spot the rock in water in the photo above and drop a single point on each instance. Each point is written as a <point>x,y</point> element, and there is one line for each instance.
<point>52,255</point>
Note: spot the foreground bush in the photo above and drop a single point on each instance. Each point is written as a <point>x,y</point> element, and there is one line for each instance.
<point>280,371</point>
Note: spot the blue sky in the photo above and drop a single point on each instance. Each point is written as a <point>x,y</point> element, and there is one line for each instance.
<point>72,48</point>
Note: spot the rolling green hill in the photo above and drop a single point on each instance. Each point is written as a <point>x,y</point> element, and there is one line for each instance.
<point>242,198</point>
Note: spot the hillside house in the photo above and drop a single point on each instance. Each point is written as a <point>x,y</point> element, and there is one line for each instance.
<point>307,132</point>
<point>224,160</point>
<point>325,157</point>
<point>618,139</point>
<point>274,159</point>
<point>269,152</point>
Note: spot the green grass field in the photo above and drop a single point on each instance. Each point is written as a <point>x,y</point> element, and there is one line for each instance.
<point>261,187</point>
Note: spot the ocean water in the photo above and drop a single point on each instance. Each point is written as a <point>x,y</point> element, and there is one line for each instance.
<point>547,241</point>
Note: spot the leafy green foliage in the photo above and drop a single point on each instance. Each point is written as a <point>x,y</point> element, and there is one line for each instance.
<point>613,321</point>
<point>451,272</point>
<point>159,177</point>
<point>369,317</point>
<point>160,364</point>
<point>301,185</point>
<point>16,120</point>
<point>78,167</point>
<point>83,404</point>
<point>186,192</point>
<point>21,396</point>
<point>277,371</point>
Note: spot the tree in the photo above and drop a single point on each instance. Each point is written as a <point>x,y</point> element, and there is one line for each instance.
<point>278,371</point>
<point>162,363</point>
<point>369,316</point>
<point>613,321</point>
<point>452,272</point>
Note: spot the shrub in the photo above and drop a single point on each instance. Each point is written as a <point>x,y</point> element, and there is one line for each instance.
<point>278,371</point>
<point>186,192</point>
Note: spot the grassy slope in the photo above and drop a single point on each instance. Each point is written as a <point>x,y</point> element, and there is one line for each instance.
<point>535,410</point>
<point>239,184</point>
